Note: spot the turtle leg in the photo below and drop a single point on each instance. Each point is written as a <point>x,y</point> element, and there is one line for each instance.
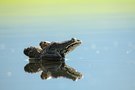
<point>32,52</point>
<point>32,67</point>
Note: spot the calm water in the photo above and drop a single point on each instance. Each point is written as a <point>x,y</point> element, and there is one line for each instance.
<point>106,59</point>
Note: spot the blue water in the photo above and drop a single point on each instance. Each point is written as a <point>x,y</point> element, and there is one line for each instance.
<point>106,59</point>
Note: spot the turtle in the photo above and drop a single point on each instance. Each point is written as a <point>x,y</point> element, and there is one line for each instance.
<point>50,59</point>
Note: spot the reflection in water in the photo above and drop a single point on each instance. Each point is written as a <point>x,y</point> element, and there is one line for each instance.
<point>53,69</point>
<point>50,59</point>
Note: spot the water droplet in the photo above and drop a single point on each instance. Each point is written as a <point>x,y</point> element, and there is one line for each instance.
<point>97,51</point>
<point>9,74</point>
<point>128,51</point>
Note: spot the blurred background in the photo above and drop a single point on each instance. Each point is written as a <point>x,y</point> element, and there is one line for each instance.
<point>106,27</point>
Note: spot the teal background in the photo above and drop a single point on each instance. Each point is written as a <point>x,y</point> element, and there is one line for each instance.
<point>106,58</point>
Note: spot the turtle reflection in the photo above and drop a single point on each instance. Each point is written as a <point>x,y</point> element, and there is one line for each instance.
<point>50,59</point>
